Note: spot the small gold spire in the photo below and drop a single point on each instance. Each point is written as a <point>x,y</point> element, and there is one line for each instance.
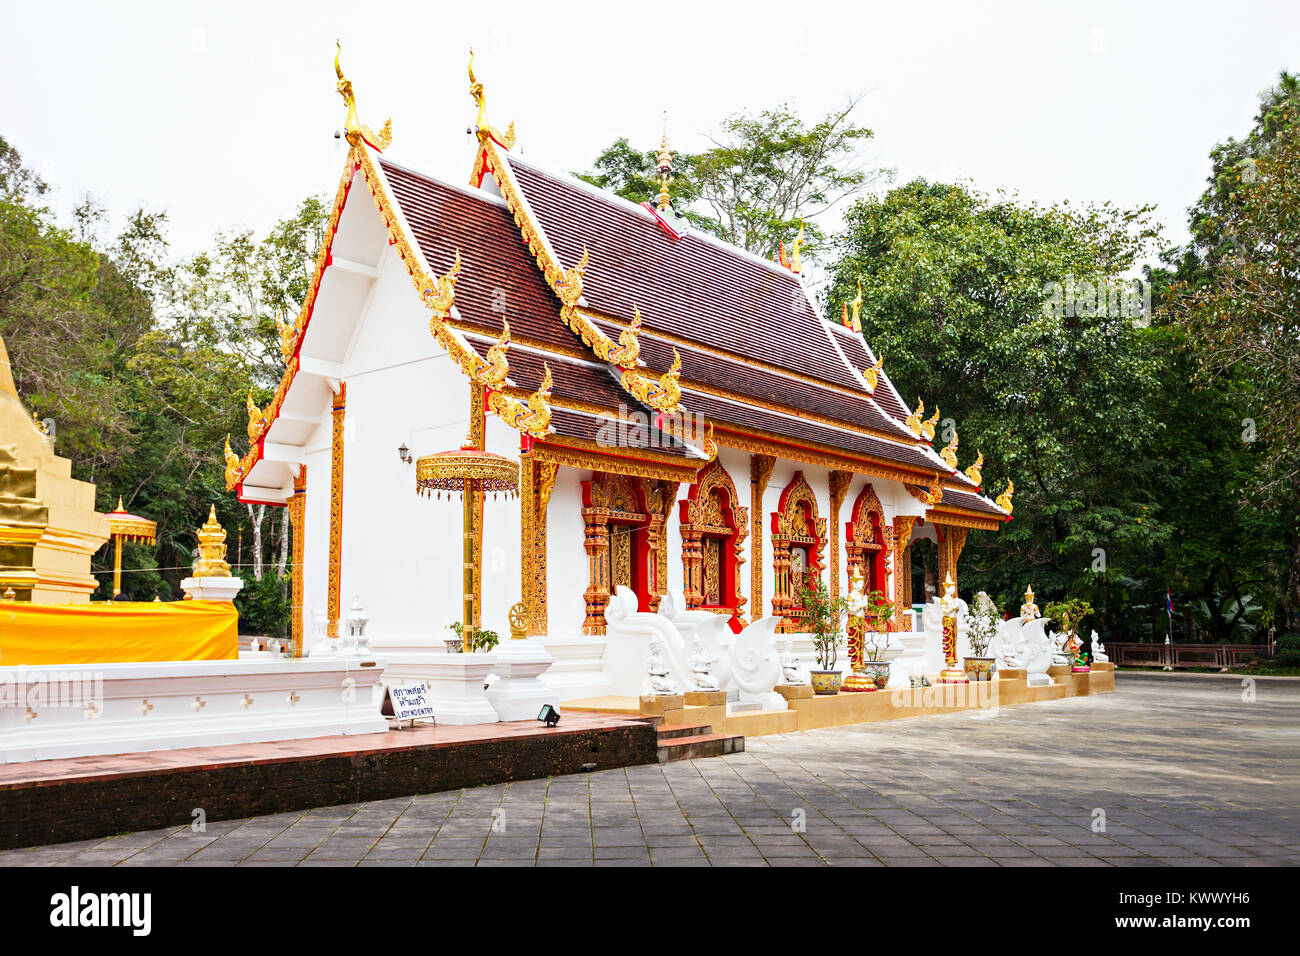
<point>212,549</point>
<point>665,167</point>
<point>119,503</point>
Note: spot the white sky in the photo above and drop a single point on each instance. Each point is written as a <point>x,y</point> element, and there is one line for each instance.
<point>223,114</point>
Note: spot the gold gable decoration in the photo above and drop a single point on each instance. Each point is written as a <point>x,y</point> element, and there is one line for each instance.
<point>534,418</point>
<point>914,419</point>
<point>949,452</point>
<point>975,472</point>
<point>928,426</point>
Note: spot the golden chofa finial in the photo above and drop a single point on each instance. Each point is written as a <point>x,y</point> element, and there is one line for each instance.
<point>872,374</point>
<point>482,128</point>
<point>975,472</point>
<point>856,321</point>
<point>949,452</point>
<point>664,164</point>
<point>629,344</point>
<point>354,129</point>
<point>795,262</point>
<point>211,562</point>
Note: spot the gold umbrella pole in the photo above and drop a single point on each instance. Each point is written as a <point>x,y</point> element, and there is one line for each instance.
<point>117,565</point>
<point>467,602</point>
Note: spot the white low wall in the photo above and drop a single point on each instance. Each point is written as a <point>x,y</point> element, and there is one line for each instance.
<point>85,709</point>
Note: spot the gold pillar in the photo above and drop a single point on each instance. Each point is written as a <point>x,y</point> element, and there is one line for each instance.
<point>903,527</point>
<point>298,530</point>
<point>117,565</point>
<point>469,582</point>
<point>334,596</point>
<point>951,542</point>
<point>478,438</point>
<point>760,470</point>
<point>839,484</point>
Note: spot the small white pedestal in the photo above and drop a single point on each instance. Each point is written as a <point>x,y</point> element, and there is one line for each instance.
<point>517,693</point>
<point>456,688</point>
<point>212,589</point>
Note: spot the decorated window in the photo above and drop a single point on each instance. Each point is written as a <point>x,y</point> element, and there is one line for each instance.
<point>868,541</point>
<point>714,527</point>
<point>798,540</point>
<point>624,520</point>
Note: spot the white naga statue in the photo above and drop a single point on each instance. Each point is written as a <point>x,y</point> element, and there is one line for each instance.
<point>1036,651</point>
<point>1061,653</point>
<point>1098,649</point>
<point>1011,644</point>
<point>702,668</point>
<point>657,676</point>
<point>792,669</point>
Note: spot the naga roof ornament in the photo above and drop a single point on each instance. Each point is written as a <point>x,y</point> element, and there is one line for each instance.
<point>663,395</point>
<point>439,294</point>
<point>234,470</point>
<point>975,472</point>
<point>493,371</point>
<point>872,374</point>
<point>949,452</point>
<point>1003,500</point>
<point>914,419</point>
<point>928,426</point>
<point>482,128</point>
<point>794,263</point>
<point>569,286</point>
<point>356,131</point>
<point>288,336</point>
<point>629,350</point>
<point>533,418</point>
<point>256,417</point>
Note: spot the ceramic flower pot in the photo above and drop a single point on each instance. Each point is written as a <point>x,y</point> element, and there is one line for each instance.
<point>978,668</point>
<point>825,682</point>
<point>878,671</point>
<point>455,645</point>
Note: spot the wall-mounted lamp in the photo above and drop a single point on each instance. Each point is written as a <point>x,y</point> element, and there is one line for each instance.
<point>404,453</point>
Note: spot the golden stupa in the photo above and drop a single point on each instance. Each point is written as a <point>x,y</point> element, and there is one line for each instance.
<point>49,528</point>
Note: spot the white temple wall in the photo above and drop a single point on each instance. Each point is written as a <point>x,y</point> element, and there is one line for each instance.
<point>566,560</point>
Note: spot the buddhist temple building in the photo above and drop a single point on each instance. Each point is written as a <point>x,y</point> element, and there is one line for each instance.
<point>682,416</point>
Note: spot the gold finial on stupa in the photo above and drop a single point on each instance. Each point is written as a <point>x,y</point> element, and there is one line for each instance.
<point>949,452</point>
<point>664,163</point>
<point>212,549</point>
<point>975,472</point>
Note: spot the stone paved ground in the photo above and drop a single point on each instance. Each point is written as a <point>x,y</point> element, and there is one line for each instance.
<point>1185,771</point>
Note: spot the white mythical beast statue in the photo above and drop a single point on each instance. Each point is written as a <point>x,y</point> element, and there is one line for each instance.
<point>1011,644</point>
<point>1036,651</point>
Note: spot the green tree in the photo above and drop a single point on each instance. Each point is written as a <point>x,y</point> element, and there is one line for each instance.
<point>982,306</point>
<point>763,174</point>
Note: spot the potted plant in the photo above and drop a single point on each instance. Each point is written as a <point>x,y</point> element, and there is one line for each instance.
<point>982,620</point>
<point>823,615</point>
<point>483,640</point>
<point>876,641</point>
<point>1070,614</point>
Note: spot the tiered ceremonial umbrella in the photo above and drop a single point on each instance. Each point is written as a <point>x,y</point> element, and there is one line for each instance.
<point>124,526</point>
<point>465,471</point>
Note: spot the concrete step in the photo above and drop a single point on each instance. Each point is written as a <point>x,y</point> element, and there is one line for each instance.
<point>683,730</point>
<point>700,745</point>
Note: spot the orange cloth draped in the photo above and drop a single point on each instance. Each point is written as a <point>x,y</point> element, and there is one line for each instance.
<point>117,632</point>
